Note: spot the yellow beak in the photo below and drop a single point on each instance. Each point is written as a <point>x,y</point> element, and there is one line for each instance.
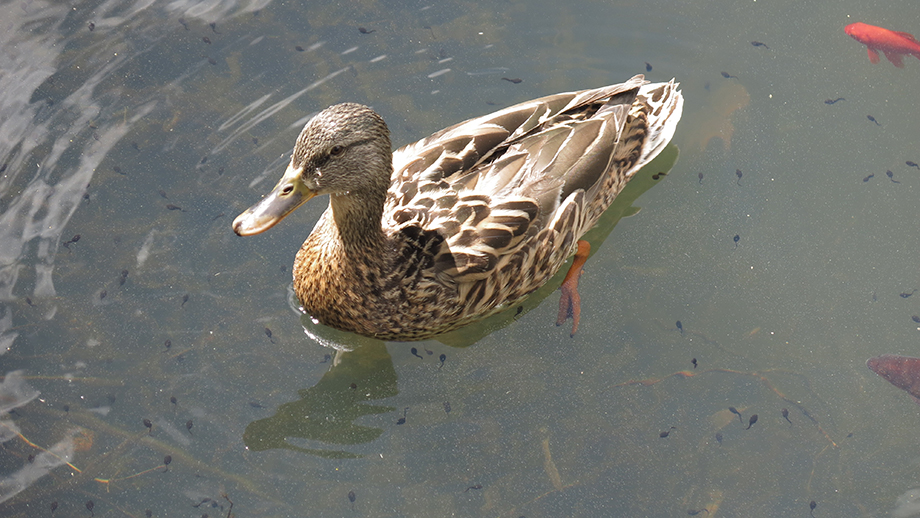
<point>289,194</point>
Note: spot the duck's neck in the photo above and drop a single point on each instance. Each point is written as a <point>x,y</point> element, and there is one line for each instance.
<point>358,220</point>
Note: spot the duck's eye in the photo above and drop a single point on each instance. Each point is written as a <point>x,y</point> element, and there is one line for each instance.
<point>337,150</point>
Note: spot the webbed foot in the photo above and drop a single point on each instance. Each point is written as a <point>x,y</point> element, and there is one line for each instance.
<point>570,302</point>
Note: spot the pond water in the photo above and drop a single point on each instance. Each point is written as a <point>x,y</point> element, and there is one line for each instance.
<point>155,365</point>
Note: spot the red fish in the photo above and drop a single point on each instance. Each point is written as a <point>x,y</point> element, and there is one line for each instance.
<point>901,371</point>
<point>893,44</point>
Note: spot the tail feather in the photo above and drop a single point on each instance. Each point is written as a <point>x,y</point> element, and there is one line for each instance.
<point>664,105</point>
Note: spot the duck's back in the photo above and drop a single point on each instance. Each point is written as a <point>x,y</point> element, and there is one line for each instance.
<point>506,196</point>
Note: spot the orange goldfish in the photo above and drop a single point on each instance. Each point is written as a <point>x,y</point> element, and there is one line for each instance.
<point>893,44</point>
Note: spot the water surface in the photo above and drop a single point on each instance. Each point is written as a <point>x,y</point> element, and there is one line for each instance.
<point>144,127</point>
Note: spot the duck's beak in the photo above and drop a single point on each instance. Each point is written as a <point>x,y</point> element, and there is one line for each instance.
<point>289,194</point>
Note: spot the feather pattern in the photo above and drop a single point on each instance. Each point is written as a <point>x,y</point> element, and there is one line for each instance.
<point>475,217</point>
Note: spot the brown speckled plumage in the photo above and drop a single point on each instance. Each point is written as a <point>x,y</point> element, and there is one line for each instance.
<point>467,221</point>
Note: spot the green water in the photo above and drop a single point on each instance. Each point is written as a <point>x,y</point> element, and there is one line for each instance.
<point>519,419</point>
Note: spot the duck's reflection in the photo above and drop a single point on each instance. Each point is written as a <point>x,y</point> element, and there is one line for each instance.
<point>327,411</point>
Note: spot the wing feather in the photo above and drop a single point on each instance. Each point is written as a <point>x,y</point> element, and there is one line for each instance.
<point>486,184</point>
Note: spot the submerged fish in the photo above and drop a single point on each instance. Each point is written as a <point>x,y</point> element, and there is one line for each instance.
<point>901,371</point>
<point>894,44</point>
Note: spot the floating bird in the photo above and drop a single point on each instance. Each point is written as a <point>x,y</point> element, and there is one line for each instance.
<point>466,222</point>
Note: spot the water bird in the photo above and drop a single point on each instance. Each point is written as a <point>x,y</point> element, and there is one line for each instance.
<point>466,222</point>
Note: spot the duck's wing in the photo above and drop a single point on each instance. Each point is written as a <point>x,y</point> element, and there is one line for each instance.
<point>486,184</point>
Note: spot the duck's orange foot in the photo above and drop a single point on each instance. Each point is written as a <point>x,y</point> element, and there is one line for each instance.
<point>570,302</point>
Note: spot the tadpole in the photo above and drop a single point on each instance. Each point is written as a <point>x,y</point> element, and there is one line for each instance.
<point>736,412</point>
<point>751,421</point>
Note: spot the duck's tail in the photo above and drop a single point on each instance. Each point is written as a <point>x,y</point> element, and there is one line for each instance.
<point>650,124</point>
<point>656,111</point>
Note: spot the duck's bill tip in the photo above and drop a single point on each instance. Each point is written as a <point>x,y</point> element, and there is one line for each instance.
<point>262,216</point>
<point>246,224</point>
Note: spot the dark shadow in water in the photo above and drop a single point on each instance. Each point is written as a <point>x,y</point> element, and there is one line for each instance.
<point>326,412</point>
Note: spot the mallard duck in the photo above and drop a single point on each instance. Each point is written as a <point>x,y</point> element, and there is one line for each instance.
<point>466,222</point>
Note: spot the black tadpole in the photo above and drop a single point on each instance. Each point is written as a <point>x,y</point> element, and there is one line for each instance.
<point>736,412</point>
<point>751,421</point>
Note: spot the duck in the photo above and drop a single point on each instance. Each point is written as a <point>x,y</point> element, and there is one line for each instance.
<point>464,223</point>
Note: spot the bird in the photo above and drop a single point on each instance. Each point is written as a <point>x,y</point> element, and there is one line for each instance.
<point>464,223</point>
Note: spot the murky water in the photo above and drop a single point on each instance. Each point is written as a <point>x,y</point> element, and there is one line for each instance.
<point>144,127</point>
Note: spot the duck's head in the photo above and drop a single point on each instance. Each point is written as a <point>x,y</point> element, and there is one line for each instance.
<point>343,151</point>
